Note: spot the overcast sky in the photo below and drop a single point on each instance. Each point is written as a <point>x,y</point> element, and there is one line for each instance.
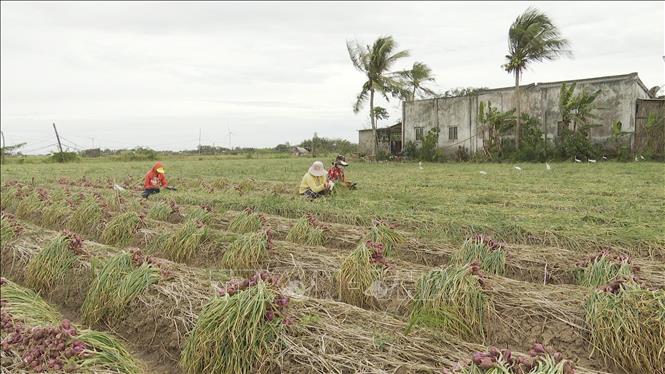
<point>124,74</point>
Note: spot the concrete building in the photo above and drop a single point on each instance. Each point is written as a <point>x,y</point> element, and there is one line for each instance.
<point>456,117</point>
<point>390,140</point>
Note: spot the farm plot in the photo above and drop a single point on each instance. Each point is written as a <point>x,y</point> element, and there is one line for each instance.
<point>323,287</point>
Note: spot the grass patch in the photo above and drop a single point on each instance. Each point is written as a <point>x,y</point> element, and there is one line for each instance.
<point>381,232</point>
<point>452,299</point>
<point>602,269</point>
<point>248,250</point>
<point>203,214</point>
<point>307,231</point>
<point>245,222</point>
<point>489,254</point>
<point>120,230</point>
<point>9,229</point>
<point>118,282</point>
<point>356,275</point>
<point>51,265</point>
<point>627,324</point>
<point>86,218</point>
<point>232,334</point>
<point>183,244</point>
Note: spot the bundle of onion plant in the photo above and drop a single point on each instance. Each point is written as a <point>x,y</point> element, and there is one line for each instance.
<point>184,242</point>
<point>627,324</point>
<point>307,230</point>
<point>201,213</point>
<point>9,228</point>
<point>51,265</point>
<point>602,268</point>
<point>382,232</point>
<point>120,230</point>
<point>452,299</point>
<point>360,269</point>
<point>489,253</point>
<point>87,217</point>
<point>235,333</point>
<point>246,221</point>
<point>248,250</point>
<point>119,281</point>
<point>29,207</point>
<point>160,211</point>
<point>55,214</point>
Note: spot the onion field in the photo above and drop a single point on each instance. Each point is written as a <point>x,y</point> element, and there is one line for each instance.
<point>431,269</point>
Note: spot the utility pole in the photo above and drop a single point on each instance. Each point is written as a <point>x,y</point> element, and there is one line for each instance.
<point>62,156</point>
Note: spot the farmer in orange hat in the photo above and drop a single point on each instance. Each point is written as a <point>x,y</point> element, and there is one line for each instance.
<point>154,179</point>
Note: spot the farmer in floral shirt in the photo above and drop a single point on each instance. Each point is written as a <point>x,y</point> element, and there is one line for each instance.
<point>336,173</point>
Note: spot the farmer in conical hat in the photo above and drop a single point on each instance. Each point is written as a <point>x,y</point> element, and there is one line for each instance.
<point>314,183</point>
<point>336,172</point>
<point>154,179</point>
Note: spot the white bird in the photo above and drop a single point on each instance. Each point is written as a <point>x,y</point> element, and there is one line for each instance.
<point>117,187</point>
<point>517,167</point>
<point>591,161</point>
<point>483,172</point>
<point>605,158</point>
<point>642,157</point>
<point>547,166</point>
<point>420,165</point>
<point>576,160</point>
<point>636,159</point>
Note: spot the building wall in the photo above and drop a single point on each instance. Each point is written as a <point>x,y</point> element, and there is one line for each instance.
<point>616,102</point>
<point>365,142</point>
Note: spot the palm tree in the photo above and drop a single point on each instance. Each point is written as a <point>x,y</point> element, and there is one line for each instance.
<point>533,37</point>
<point>414,79</point>
<point>376,61</point>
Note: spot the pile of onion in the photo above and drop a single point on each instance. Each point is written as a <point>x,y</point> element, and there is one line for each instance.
<point>620,259</point>
<point>475,270</point>
<point>41,348</point>
<point>495,358</point>
<point>275,309</point>
<point>138,259</point>
<point>487,242</point>
<point>10,219</point>
<point>75,242</point>
<point>311,219</point>
<point>377,256</point>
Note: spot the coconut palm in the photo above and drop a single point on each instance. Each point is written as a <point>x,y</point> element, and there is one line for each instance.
<point>415,78</point>
<point>533,37</point>
<point>376,62</point>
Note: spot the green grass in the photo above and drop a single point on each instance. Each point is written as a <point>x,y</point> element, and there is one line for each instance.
<point>245,222</point>
<point>601,271</point>
<point>452,300</point>
<point>380,232</point>
<point>87,217</point>
<point>574,206</point>
<point>27,306</point>
<point>231,334</point>
<point>160,211</point>
<point>55,214</point>
<point>28,207</point>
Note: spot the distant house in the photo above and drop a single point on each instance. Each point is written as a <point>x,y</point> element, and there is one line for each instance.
<point>389,140</point>
<point>300,151</point>
<point>623,98</point>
